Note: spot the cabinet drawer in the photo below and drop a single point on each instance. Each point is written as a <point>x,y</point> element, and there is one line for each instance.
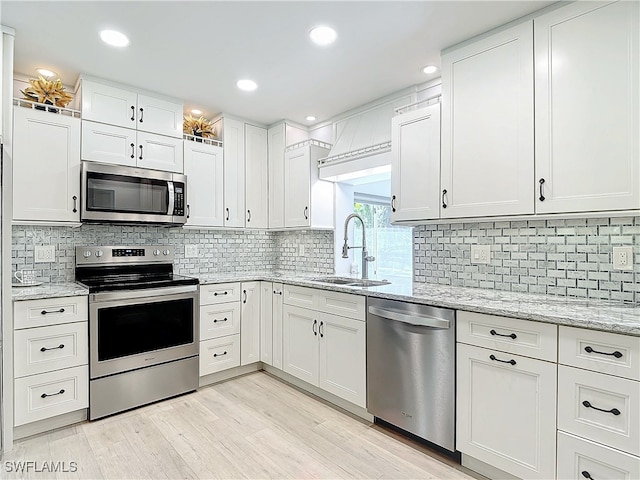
<point>600,407</point>
<point>219,293</point>
<point>344,304</point>
<point>49,311</point>
<point>219,354</point>
<point>44,349</point>
<point>604,352</point>
<point>579,459</point>
<point>521,337</point>
<point>299,296</point>
<point>219,320</point>
<point>49,394</point>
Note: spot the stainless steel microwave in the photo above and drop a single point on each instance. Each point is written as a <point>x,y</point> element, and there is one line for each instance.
<point>119,194</point>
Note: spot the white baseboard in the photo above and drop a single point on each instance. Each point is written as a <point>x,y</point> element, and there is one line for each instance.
<point>485,469</point>
<point>230,373</point>
<point>35,428</point>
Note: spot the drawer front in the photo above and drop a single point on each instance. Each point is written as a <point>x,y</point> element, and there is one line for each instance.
<point>44,349</point>
<point>49,394</point>
<point>344,304</point>
<point>579,459</point>
<point>520,337</point>
<point>600,407</point>
<point>300,297</point>
<point>49,311</point>
<point>219,320</point>
<point>219,293</point>
<point>604,352</point>
<point>219,354</point>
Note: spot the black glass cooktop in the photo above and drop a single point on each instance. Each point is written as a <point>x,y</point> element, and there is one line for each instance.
<point>103,279</point>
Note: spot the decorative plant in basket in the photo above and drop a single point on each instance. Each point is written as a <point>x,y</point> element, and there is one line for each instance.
<point>198,127</point>
<point>49,92</point>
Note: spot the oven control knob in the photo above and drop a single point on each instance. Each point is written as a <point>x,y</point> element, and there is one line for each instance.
<point>99,253</point>
<point>86,254</point>
<point>156,252</point>
<point>166,252</point>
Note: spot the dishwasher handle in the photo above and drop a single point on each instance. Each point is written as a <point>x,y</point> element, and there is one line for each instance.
<point>411,319</point>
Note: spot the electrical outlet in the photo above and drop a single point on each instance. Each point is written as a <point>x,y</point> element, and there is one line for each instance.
<point>480,253</point>
<point>45,253</point>
<point>191,251</point>
<point>623,258</point>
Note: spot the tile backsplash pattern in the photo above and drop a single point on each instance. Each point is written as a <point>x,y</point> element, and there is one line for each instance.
<point>220,251</point>
<point>572,257</point>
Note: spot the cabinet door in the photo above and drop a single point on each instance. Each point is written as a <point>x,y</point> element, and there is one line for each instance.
<point>233,140</point>
<point>106,104</point>
<point>487,126</point>
<point>203,166</point>
<point>159,116</point>
<point>506,412</point>
<point>415,165</point>
<point>300,346</point>
<point>587,96</point>
<point>342,368</point>
<point>256,177</point>
<point>297,187</point>
<point>46,166</point>
<point>250,323</point>
<point>276,144</point>
<point>277,324</point>
<point>266,322</point>
<point>109,144</point>
<point>159,152</point>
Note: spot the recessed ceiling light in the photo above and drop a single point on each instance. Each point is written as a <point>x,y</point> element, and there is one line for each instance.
<point>247,85</point>
<point>114,38</point>
<point>46,73</point>
<point>311,118</point>
<point>323,35</point>
<point>195,111</point>
<point>430,69</point>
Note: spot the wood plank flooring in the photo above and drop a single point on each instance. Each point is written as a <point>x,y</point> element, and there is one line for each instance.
<point>253,426</point>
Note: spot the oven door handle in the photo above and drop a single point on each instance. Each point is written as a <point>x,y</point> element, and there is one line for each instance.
<point>146,293</point>
<point>171,198</point>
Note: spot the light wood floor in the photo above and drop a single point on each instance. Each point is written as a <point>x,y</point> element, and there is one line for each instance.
<point>253,426</point>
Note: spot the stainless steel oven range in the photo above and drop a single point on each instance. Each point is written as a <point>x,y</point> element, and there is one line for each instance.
<point>143,326</point>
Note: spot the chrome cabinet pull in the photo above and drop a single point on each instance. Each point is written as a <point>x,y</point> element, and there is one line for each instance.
<point>541,182</point>
<point>215,294</point>
<point>45,395</point>
<point>613,411</point>
<point>616,354</point>
<point>141,114</point>
<point>306,213</point>
<point>393,203</point>
<point>45,312</point>
<point>75,204</point>
<point>444,198</point>
<point>315,332</point>
<point>244,292</point>
<point>320,329</point>
<point>216,320</point>
<point>44,349</point>
<point>511,335</point>
<point>219,354</point>
<point>140,157</point>
<point>495,359</point>
<point>133,150</point>
<point>133,114</point>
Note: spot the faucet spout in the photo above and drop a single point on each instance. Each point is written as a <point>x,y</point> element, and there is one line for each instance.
<point>345,248</point>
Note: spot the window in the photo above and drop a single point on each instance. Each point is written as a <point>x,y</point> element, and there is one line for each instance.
<point>391,245</point>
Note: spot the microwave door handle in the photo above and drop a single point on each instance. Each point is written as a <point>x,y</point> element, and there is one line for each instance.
<point>170,198</point>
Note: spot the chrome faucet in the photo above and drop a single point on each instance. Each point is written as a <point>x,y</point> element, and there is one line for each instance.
<point>365,255</point>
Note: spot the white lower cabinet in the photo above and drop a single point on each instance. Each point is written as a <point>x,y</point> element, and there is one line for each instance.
<point>271,324</point>
<point>250,323</point>
<point>506,411</point>
<point>300,345</point>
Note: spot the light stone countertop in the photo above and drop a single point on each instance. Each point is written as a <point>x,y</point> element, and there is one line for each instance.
<point>610,316</point>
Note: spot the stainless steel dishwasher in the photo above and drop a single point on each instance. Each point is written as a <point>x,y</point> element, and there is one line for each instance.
<point>411,368</point>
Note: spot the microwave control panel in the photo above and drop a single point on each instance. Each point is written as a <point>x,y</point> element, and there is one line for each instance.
<point>178,204</point>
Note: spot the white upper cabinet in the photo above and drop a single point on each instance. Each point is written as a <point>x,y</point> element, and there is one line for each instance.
<point>276,144</point>
<point>234,172</point>
<point>487,126</point>
<point>125,107</point>
<point>587,97</point>
<point>46,166</point>
<point>203,166</point>
<point>159,152</point>
<point>415,165</point>
<point>256,177</point>
<point>109,144</point>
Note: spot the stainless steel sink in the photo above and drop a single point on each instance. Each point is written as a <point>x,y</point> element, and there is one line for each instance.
<point>350,282</point>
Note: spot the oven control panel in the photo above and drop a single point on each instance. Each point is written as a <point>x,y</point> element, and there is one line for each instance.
<point>106,255</point>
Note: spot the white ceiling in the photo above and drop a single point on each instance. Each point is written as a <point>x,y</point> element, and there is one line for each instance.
<point>198,50</point>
